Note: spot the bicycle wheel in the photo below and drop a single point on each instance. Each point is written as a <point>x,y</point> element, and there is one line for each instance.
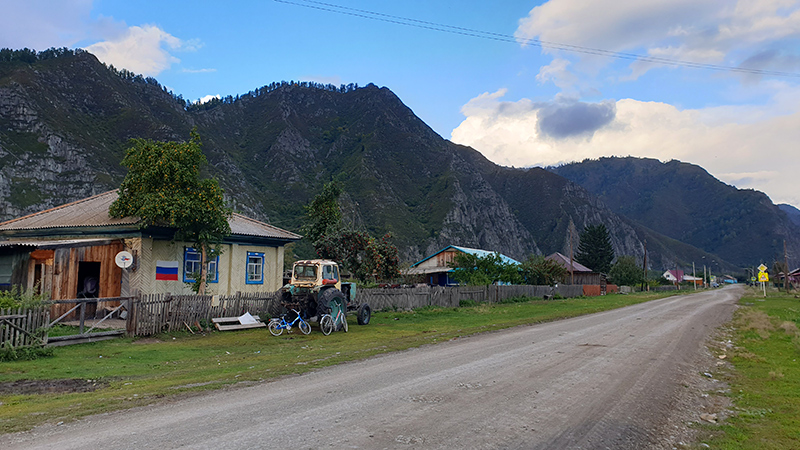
<point>344,322</point>
<point>326,324</point>
<point>275,328</point>
<point>305,328</point>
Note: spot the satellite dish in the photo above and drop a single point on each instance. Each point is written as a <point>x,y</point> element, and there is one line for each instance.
<point>123,259</point>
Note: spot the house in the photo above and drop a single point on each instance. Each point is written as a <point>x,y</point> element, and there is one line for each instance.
<point>674,276</point>
<point>437,269</point>
<point>577,271</point>
<point>70,251</point>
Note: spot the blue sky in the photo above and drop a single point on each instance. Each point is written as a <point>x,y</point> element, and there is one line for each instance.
<point>518,104</point>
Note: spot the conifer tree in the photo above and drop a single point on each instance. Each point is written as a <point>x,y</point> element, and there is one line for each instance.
<point>594,249</point>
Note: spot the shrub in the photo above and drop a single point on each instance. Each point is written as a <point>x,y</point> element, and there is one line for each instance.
<point>10,353</point>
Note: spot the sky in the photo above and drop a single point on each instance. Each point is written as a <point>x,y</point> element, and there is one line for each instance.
<point>527,83</point>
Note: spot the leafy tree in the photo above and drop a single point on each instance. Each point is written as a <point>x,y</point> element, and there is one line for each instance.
<point>474,270</point>
<point>163,188</point>
<point>626,272</point>
<point>537,270</point>
<point>323,215</point>
<point>594,249</point>
<point>364,256</point>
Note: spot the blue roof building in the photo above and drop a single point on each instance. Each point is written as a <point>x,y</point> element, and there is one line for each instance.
<point>437,267</point>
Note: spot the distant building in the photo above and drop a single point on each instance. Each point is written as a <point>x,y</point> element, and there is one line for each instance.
<point>437,269</point>
<point>576,270</point>
<point>675,276</point>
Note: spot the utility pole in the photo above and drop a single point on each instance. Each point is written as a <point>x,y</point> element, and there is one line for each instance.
<point>785,268</point>
<point>571,267</point>
<point>704,277</point>
<point>644,266</point>
<point>694,275</point>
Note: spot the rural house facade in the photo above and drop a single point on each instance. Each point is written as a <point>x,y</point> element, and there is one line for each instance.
<point>69,251</point>
<point>436,268</point>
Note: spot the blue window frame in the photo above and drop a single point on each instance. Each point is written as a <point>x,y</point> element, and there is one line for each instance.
<point>191,265</point>
<point>255,268</point>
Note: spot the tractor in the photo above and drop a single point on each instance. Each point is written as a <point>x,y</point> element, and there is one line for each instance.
<point>316,289</point>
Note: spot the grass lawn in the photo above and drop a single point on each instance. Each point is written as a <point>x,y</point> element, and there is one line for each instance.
<point>93,378</point>
<point>765,382</point>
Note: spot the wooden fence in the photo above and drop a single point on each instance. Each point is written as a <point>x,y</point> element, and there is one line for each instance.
<point>451,296</point>
<point>156,313</point>
<point>24,327</point>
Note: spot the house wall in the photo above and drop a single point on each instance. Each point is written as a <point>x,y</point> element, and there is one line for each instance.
<point>440,260</point>
<point>232,268</point>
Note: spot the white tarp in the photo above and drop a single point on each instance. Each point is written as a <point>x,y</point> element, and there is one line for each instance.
<point>247,319</point>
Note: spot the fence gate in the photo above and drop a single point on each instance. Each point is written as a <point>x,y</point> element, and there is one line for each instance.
<point>85,335</point>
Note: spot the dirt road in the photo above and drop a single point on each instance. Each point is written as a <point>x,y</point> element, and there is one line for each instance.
<point>608,380</point>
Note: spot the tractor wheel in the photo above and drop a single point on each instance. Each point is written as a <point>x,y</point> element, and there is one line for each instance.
<point>363,314</point>
<point>328,300</point>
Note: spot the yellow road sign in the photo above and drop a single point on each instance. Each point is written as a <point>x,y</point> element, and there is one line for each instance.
<point>762,276</point>
<point>762,268</point>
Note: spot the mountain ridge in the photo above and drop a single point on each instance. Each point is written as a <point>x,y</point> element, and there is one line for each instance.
<point>66,121</point>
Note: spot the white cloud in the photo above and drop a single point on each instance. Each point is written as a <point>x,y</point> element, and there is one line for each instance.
<point>198,70</point>
<point>41,24</point>
<point>142,50</point>
<point>758,152</point>
<point>705,31</point>
<point>208,98</point>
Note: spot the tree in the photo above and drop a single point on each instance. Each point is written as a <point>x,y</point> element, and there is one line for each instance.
<point>626,272</point>
<point>323,215</point>
<point>364,256</point>
<point>594,249</point>
<point>537,270</point>
<point>163,188</point>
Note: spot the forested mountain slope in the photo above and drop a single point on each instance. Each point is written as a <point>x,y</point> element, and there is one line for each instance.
<point>65,121</point>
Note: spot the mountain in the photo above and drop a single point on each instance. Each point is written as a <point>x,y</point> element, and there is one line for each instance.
<point>65,122</point>
<point>686,203</point>
<point>791,212</point>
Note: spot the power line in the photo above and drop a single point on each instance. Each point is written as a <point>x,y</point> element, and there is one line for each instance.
<point>399,20</point>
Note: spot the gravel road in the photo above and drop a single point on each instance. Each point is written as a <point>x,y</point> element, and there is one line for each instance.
<point>607,380</point>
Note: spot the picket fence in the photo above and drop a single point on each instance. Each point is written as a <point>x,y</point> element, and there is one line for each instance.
<point>24,327</point>
<point>452,296</point>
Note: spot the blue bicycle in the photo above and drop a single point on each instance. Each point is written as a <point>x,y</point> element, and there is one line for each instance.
<point>276,326</point>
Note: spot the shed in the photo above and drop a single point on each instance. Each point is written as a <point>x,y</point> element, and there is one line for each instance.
<point>581,273</point>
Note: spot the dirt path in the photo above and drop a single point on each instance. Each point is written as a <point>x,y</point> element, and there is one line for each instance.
<point>609,380</point>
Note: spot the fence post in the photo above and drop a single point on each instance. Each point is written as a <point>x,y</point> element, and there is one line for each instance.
<point>83,315</point>
<point>130,322</point>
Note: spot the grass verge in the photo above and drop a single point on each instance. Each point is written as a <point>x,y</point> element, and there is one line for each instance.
<point>105,376</point>
<point>765,381</point>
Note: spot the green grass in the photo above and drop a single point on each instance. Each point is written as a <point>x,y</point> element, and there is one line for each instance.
<point>765,381</point>
<point>129,372</point>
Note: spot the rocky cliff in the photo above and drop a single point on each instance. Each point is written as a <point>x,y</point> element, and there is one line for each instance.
<point>65,123</point>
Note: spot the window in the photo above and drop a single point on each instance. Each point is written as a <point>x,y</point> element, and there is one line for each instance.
<point>308,272</point>
<point>191,266</point>
<point>255,268</point>
<point>330,273</point>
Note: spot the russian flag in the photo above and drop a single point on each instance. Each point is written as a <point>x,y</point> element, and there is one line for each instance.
<point>167,270</point>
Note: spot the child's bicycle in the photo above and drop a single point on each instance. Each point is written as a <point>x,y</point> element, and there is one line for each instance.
<point>327,323</point>
<point>276,326</point>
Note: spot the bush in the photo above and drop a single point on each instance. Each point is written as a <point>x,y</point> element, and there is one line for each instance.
<point>467,303</point>
<point>9,353</point>
<point>15,298</point>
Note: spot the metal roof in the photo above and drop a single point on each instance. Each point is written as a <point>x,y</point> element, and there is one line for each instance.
<point>564,261</point>
<point>92,212</point>
<point>44,243</point>
<point>89,212</point>
<point>472,251</point>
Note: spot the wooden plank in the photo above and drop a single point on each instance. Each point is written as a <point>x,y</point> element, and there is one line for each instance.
<point>239,326</point>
